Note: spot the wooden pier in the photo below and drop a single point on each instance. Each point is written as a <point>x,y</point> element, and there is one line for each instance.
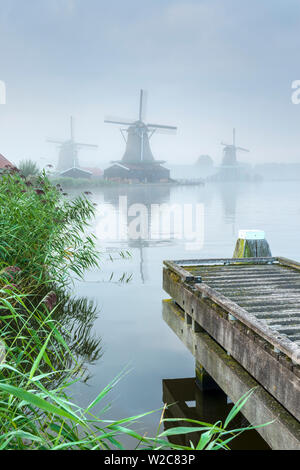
<point>251,308</point>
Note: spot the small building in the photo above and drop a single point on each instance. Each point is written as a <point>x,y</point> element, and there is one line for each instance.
<point>76,173</point>
<point>137,173</point>
<point>5,164</point>
<point>96,172</point>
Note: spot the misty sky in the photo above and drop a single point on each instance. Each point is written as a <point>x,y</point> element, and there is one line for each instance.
<point>207,65</point>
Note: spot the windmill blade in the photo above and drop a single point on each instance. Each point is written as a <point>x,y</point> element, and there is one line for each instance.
<point>158,130</point>
<point>142,146</point>
<point>226,145</point>
<point>234,137</point>
<point>243,150</point>
<point>52,141</point>
<point>79,144</point>
<point>72,127</point>
<point>143,105</point>
<point>159,126</point>
<point>121,122</point>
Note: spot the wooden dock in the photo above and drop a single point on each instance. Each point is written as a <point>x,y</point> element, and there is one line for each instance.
<point>251,308</point>
<point>233,380</point>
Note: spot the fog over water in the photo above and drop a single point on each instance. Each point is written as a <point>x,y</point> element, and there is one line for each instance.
<point>208,66</point>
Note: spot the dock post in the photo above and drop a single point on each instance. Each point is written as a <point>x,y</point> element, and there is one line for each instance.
<point>211,406</point>
<point>252,244</point>
<point>203,380</point>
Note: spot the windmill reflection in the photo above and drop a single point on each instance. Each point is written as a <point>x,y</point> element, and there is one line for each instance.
<point>138,196</point>
<point>232,195</point>
<point>229,195</point>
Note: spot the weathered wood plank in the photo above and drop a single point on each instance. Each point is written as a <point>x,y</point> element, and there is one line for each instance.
<point>271,297</point>
<point>249,276</point>
<point>273,314</point>
<point>184,274</point>
<point>283,321</point>
<point>225,261</point>
<point>255,279</point>
<point>289,262</point>
<point>284,345</point>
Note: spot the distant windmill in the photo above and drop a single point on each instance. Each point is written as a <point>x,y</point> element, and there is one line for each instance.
<point>230,151</point>
<point>138,151</point>
<point>68,153</point>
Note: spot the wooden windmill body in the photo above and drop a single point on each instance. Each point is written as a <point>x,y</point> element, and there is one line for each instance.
<point>138,163</point>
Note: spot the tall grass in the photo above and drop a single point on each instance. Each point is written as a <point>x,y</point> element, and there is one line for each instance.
<point>42,232</point>
<point>36,411</point>
<point>29,168</point>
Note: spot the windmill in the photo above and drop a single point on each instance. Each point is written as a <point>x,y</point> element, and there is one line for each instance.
<point>138,152</point>
<point>230,152</point>
<point>68,151</point>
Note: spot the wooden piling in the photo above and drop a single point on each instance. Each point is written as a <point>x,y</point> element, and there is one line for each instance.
<point>204,380</point>
<point>252,244</point>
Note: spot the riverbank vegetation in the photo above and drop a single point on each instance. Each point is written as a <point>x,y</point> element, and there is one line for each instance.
<point>81,183</point>
<point>42,233</point>
<point>29,168</point>
<point>46,337</point>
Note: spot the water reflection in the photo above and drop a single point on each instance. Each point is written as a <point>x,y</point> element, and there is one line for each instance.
<point>187,401</point>
<point>75,319</point>
<point>65,324</point>
<point>128,203</point>
<point>145,194</point>
<point>230,194</point>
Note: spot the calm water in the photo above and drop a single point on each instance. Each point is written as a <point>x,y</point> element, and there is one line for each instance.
<point>130,322</point>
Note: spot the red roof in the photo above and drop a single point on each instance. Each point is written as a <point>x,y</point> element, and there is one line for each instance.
<point>4,162</point>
